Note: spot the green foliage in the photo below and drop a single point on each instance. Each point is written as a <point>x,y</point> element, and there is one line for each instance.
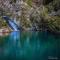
<point>2,23</point>
<point>38,16</point>
<point>29,2</point>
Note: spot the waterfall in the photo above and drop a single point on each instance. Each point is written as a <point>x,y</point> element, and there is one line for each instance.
<point>12,24</point>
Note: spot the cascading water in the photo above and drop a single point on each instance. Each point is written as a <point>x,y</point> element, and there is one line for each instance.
<point>11,23</point>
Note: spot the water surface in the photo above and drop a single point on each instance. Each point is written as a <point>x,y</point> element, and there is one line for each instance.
<point>29,46</point>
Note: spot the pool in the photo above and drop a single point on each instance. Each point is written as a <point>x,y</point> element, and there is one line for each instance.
<point>29,45</point>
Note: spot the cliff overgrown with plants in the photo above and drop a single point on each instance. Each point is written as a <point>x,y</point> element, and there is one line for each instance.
<point>39,15</point>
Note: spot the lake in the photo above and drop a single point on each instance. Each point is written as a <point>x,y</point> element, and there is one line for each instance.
<point>29,45</point>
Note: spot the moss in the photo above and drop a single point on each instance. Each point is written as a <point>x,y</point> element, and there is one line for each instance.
<point>54,23</point>
<point>2,23</point>
<point>29,2</point>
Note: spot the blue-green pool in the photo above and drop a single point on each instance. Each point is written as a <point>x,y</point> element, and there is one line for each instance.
<point>29,46</point>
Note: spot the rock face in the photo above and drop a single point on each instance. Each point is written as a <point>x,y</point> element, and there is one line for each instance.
<point>33,14</point>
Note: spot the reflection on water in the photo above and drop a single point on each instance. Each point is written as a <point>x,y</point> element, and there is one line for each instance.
<point>29,46</point>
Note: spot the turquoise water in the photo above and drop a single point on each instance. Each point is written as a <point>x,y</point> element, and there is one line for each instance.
<point>29,46</point>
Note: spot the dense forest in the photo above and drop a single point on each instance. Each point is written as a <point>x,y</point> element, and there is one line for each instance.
<point>41,15</point>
